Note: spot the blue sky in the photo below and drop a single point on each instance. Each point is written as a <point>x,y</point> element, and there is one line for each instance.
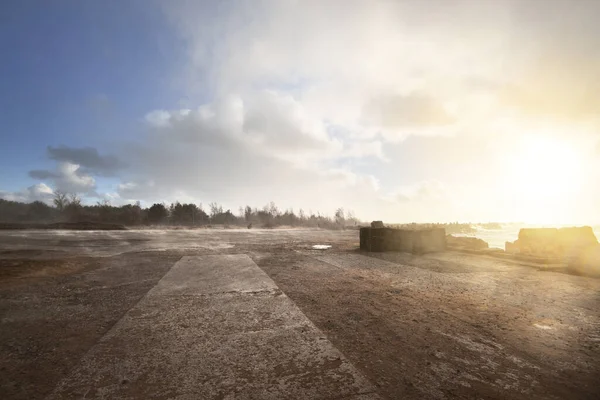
<point>385,108</point>
<point>79,73</point>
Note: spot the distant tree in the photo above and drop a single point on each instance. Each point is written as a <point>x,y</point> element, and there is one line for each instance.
<point>105,210</point>
<point>74,199</point>
<point>130,214</point>
<point>287,218</point>
<point>187,214</point>
<point>103,203</point>
<point>198,215</point>
<point>73,209</point>
<point>158,213</point>
<point>176,212</point>
<point>339,216</point>
<point>301,215</point>
<point>272,209</point>
<point>350,217</point>
<point>248,213</point>
<point>225,218</point>
<point>39,211</point>
<point>215,209</point>
<point>60,200</point>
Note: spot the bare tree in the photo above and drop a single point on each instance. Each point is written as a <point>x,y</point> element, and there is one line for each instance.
<point>248,213</point>
<point>301,215</point>
<point>339,216</point>
<point>351,217</point>
<point>60,200</point>
<point>103,203</point>
<point>215,209</point>
<point>74,200</point>
<point>272,209</point>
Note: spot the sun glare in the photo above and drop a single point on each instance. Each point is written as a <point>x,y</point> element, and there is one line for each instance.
<point>546,175</point>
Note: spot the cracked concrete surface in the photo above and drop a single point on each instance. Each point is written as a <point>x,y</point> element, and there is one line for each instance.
<point>89,306</point>
<point>215,326</point>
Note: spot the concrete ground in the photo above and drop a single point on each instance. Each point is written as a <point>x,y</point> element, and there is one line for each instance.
<point>261,314</point>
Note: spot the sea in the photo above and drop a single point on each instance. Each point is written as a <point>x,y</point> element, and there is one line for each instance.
<point>496,238</point>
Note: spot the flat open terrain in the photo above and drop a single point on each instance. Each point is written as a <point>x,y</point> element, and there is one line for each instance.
<point>260,314</point>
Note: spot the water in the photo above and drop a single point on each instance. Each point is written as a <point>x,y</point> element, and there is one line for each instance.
<point>508,233</point>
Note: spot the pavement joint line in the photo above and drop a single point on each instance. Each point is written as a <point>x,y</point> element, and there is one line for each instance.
<point>297,326</point>
<point>120,285</point>
<point>326,262</point>
<point>120,321</point>
<point>274,292</point>
<point>374,392</point>
<point>322,349</point>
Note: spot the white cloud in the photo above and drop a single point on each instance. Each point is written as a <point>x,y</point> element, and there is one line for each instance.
<point>37,192</point>
<point>290,103</point>
<point>305,103</point>
<point>425,191</point>
<point>68,177</point>
<point>261,149</point>
<point>158,118</point>
<point>89,160</point>
<point>374,50</point>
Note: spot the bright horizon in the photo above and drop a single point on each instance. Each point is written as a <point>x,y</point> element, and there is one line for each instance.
<point>429,111</point>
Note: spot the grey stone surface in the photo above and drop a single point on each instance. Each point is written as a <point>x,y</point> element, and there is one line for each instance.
<point>214,274</point>
<point>215,327</point>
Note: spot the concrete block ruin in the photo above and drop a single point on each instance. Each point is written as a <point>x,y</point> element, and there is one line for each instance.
<point>552,242</point>
<point>416,241</point>
<point>466,243</point>
<point>577,246</point>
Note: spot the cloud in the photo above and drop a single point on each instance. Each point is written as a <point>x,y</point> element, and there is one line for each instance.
<point>420,192</point>
<point>288,104</point>
<point>87,158</point>
<point>413,110</point>
<point>374,68</point>
<point>37,192</point>
<point>308,113</point>
<point>558,74</point>
<point>263,120</point>
<point>260,148</point>
<point>68,177</point>
<point>76,169</point>
<point>42,174</point>
<point>541,61</point>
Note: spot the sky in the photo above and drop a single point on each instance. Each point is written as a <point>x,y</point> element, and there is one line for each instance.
<point>404,111</point>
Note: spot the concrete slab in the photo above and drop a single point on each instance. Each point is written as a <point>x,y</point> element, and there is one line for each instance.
<point>205,332</point>
<point>214,274</point>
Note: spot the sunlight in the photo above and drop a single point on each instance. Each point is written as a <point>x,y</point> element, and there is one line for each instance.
<point>546,174</point>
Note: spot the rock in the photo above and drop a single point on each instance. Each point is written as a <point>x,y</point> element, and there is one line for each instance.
<point>511,247</point>
<point>555,243</point>
<point>586,261</point>
<point>466,242</point>
<point>377,224</point>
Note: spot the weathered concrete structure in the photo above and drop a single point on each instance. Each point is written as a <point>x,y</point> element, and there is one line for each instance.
<point>466,242</point>
<point>553,242</point>
<point>416,241</point>
<point>215,327</point>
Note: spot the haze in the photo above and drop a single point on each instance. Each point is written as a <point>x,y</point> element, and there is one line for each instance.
<point>398,110</point>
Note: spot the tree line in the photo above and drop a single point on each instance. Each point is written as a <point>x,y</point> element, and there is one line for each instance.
<point>69,208</point>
